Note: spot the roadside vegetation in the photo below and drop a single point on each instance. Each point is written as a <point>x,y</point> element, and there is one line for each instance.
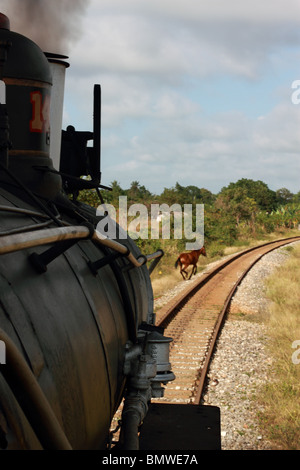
<point>281,394</point>
<point>242,214</point>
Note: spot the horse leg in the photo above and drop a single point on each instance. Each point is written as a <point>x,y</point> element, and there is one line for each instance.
<point>183,270</point>
<point>194,270</point>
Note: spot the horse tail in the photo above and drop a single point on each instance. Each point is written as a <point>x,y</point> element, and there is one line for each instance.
<point>177,262</point>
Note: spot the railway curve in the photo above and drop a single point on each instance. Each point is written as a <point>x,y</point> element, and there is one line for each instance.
<point>195,317</point>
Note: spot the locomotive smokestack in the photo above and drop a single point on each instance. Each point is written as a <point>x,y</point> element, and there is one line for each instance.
<point>58,68</point>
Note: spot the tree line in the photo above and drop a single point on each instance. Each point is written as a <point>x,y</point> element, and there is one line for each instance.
<point>242,210</point>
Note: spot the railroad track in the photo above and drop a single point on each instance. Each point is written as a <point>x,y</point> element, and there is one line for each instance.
<point>195,317</point>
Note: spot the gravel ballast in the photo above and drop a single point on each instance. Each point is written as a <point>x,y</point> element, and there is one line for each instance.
<point>241,365</point>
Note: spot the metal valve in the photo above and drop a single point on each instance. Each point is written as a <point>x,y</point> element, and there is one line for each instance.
<point>157,347</point>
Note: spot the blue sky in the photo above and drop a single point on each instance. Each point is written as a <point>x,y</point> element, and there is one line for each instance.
<point>195,91</point>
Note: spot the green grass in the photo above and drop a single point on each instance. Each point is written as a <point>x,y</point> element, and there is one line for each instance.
<point>281,394</point>
<point>165,276</point>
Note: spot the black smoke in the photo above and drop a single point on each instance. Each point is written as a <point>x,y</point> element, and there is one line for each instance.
<point>53,24</point>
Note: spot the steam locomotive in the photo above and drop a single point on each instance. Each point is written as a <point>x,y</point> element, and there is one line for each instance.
<point>77,329</point>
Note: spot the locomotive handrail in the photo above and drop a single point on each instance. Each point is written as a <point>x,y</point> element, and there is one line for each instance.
<point>102,239</point>
<point>21,241</point>
<point>155,258</point>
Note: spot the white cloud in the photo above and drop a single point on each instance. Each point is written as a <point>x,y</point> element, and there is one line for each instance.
<point>205,10</point>
<point>226,150</point>
<point>187,37</point>
<point>153,59</point>
<point>279,130</point>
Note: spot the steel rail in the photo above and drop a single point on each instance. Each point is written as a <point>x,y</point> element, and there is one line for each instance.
<point>168,313</point>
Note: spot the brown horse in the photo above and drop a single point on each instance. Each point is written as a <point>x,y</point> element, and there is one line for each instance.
<point>185,259</point>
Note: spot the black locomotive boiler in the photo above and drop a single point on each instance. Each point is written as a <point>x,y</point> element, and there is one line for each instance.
<point>77,331</point>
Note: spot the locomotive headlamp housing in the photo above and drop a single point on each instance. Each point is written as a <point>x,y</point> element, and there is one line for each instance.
<point>28,79</point>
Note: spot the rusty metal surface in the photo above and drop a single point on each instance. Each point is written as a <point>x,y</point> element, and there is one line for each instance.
<point>71,327</point>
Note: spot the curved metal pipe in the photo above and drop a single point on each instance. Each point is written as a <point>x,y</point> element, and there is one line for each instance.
<point>129,438</point>
<point>21,241</point>
<point>31,398</point>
